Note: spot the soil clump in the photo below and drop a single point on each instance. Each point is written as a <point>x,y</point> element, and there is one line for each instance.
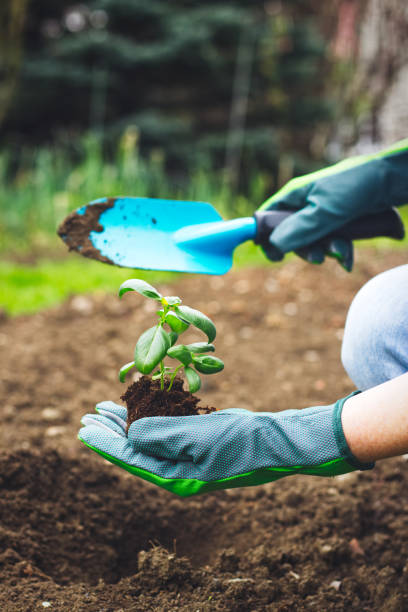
<point>75,230</point>
<point>145,398</point>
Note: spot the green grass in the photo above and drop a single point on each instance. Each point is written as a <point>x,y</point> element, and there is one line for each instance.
<point>27,289</point>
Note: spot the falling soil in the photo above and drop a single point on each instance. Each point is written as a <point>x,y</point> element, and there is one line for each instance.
<point>79,533</point>
<point>75,230</point>
<point>145,398</point>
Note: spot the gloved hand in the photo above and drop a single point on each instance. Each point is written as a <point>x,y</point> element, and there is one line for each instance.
<point>225,449</point>
<point>330,198</point>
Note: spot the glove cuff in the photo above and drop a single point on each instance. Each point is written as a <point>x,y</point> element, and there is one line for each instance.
<point>341,439</point>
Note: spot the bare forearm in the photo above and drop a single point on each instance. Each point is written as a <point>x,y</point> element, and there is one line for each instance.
<point>375,422</point>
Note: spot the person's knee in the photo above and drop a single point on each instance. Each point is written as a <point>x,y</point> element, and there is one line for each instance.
<point>375,344</point>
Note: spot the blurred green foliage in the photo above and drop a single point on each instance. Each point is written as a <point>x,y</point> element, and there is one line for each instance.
<point>27,288</point>
<point>239,84</point>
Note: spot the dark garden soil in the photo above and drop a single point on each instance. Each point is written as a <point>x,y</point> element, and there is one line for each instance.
<point>78,533</point>
<point>145,398</point>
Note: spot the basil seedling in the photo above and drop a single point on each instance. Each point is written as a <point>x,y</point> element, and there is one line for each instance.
<point>159,341</point>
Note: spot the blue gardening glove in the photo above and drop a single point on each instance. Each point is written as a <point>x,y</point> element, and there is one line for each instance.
<point>225,449</point>
<point>330,198</point>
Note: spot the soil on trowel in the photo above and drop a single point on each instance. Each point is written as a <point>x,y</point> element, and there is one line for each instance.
<point>145,398</point>
<point>75,230</point>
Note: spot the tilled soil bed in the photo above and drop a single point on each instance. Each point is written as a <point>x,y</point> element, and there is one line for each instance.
<point>77,533</point>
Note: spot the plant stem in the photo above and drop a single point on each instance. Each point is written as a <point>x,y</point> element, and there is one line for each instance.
<point>174,376</point>
<point>162,375</point>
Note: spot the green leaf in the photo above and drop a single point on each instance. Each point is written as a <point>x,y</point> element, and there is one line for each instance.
<point>151,348</point>
<point>193,379</point>
<point>125,369</point>
<point>201,347</point>
<point>198,319</point>
<point>135,284</point>
<point>181,353</point>
<point>207,364</point>
<point>173,337</point>
<point>176,324</point>
<point>171,300</point>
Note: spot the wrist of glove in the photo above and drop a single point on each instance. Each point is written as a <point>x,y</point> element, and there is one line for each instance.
<point>325,201</point>
<point>229,448</point>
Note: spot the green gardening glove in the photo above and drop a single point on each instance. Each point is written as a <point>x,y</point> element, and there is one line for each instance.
<point>225,449</point>
<point>328,199</point>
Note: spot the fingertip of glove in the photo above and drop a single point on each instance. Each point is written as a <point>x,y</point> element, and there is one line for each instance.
<point>273,252</point>
<point>80,435</point>
<point>346,266</point>
<point>314,260</point>
<point>86,419</point>
<point>109,405</point>
<point>83,432</point>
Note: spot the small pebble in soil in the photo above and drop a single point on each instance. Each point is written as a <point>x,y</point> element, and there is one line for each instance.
<point>217,283</point>
<point>57,430</point>
<point>271,285</point>
<point>311,356</point>
<point>246,332</point>
<point>290,309</point>
<point>305,295</point>
<point>242,287</point>
<point>82,305</point>
<point>356,548</point>
<point>50,414</point>
<point>275,320</point>
<point>335,584</point>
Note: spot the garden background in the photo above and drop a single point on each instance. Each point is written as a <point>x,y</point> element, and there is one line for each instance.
<point>215,101</point>
<point>210,100</point>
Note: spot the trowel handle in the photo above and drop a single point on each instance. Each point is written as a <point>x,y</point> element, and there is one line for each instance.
<point>387,223</point>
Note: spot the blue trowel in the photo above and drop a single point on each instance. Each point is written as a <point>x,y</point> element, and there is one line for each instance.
<point>180,236</point>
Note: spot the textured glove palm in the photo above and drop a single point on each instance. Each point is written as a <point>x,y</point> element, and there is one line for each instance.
<point>229,448</point>
<point>328,199</point>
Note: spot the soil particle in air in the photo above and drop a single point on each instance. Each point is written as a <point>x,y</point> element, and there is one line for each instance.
<point>75,230</point>
<point>145,398</point>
